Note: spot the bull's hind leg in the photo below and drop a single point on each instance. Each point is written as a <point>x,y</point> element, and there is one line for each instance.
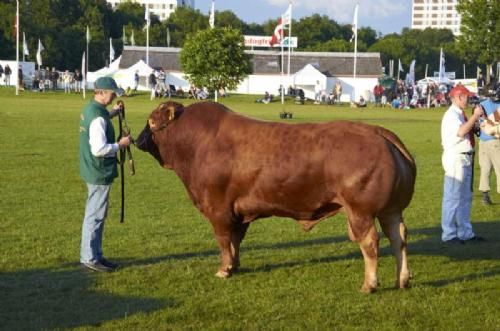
<point>395,230</point>
<point>237,234</point>
<point>369,248</point>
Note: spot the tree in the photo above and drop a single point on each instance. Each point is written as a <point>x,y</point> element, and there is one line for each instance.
<point>182,22</point>
<point>215,58</point>
<point>480,31</point>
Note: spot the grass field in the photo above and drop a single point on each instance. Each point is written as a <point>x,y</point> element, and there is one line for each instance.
<point>289,280</point>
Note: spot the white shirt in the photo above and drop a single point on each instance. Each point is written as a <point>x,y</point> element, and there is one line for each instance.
<point>99,146</point>
<point>451,142</point>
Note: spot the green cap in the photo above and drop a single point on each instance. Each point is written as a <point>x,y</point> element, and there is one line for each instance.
<point>108,83</point>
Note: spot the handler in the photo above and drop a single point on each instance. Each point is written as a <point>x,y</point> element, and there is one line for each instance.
<point>457,140</point>
<point>98,168</point>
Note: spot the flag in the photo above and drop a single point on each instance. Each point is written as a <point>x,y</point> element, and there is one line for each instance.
<point>355,24</point>
<point>400,66</point>
<point>87,35</point>
<point>147,16</point>
<point>278,34</point>
<point>286,18</point>
<point>211,20</point>
<point>25,46</point>
<point>441,67</point>
<point>410,78</point>
<point>478,72</point>
<point>111,51</point>
<point>39,53</point>
<point>84,75</point>
<point>168,37</point>
<point>124,37</point>
<point>132,39</point>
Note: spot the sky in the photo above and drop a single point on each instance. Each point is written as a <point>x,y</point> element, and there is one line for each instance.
<point>384,16</point>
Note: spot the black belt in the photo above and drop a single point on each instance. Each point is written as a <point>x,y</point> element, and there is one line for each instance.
<point>468,153</point>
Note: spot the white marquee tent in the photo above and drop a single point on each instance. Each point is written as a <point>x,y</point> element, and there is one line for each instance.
<point>306,79</point>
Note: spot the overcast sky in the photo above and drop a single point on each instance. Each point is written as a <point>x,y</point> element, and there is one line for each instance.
<point>385,16</point>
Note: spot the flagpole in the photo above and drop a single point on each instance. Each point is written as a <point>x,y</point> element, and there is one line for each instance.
<point>289,41</point>
<point>355,50</point>
<point>24,44</point>
<point>17,48</point>
<point>87,57</point>
<point>282,64</point>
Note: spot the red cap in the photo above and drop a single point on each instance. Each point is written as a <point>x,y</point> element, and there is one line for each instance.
<point>460,89</point>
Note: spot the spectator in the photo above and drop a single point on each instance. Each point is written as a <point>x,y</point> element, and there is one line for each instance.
<point>317,92</point>
<point>7,72</point>
<point>361,103</point>
<point>67,81</point>
<point>20,83</point>
<point>78,81</point>
<point>54,77</point>
<point>338,91</point>
<point>378,91</point>
<point>136,80</point>
<point>489,150</point>
<point>1,71</point>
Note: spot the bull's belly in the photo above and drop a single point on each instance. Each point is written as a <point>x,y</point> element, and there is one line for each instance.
<point>252,211</point>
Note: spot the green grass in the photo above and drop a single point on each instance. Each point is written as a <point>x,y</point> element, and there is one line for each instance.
<point>289,280</point>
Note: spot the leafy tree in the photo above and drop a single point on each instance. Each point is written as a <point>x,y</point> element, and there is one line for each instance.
<point>215,58</point>
<point>182,22</point>
<point>480,30</point>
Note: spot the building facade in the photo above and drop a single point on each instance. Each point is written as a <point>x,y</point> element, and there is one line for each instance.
<point>437,14</point>
<point>160,8</point>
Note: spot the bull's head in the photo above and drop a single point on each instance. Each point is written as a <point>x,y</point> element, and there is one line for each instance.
<point>154,133</point>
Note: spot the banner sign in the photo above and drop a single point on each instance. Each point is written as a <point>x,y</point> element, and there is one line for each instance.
<point>263,41</point>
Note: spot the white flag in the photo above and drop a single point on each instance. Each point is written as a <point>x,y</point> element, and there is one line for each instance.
<point>87,35</point>
<point>400,66</point>
<point>25,46</point>
<point>286,18</point>
<point>211,20</point>
<point>132,39</point>
<point>147,15</point>
<point>84,74</point>
<point>355,23</point>
<point>124,37</point>
<point>111,51</point>
<point>410,78</point>
<point>441,67</point>
<point>39,53</point>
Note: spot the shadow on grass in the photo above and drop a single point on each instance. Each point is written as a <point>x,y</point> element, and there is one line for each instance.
<point>431,245</point>
<point>45,299</point>
<point>244,249</point>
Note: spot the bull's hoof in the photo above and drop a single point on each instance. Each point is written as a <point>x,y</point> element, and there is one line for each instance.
<point>223,274</point>
<point>403,284</point>
<point>368,290</point>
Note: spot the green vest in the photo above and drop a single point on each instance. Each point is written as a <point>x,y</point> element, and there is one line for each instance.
<point>96,170</point>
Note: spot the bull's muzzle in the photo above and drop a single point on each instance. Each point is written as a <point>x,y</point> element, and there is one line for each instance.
<point>145,138</point>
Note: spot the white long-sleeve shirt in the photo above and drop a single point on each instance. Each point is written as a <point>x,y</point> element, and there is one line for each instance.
<point>99,145</point>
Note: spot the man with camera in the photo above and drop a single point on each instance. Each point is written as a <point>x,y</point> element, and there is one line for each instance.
<point>489,147</point>
<point>457,139</point>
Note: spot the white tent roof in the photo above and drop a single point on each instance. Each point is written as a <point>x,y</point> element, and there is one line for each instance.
<point>308,76</point>
<point>142,67</point>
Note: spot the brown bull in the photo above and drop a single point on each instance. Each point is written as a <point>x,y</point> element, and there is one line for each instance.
<point>238,169</point>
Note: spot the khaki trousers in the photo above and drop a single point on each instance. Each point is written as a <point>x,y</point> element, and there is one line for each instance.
<point>489,157</point>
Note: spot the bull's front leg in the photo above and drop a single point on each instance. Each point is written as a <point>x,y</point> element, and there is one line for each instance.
<point>237,234</point>
<point>222,232</point>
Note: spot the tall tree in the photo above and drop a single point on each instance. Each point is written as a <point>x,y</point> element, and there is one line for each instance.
<point>480,30</point>
<point>215,58</point>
